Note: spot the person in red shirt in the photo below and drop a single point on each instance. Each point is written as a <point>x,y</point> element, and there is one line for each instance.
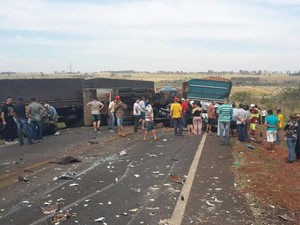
<point>184,106</point>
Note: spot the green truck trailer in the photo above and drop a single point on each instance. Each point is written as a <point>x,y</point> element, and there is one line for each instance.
<point>207,89</point>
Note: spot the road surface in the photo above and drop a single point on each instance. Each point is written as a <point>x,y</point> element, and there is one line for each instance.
<point>121,180</point>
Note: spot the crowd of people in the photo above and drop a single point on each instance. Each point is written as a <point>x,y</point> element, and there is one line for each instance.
<point>230,120</point>
<point>26,119</point>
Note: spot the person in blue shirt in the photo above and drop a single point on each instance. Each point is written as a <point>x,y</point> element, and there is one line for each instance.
<point>272,127</point>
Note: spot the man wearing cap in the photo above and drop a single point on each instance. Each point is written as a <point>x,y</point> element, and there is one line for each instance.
<point>51,112</point>
<point>19,111</point>
<point>119,110</point>
<point>184,106</point>
<point>96,107</point>
<point>176,115</point>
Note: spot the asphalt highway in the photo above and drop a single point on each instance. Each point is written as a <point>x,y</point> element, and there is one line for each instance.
<point>118,181</point>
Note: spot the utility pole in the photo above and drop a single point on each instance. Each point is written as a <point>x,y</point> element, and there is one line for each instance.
<point>71,67</point>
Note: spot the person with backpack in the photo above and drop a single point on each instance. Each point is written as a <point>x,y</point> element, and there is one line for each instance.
<point>120,109</point>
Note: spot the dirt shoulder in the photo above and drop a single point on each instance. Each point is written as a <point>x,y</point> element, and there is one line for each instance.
<point>271,185</point>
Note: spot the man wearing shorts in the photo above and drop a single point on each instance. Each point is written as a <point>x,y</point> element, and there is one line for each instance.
<point>96,107</point>
<point>119,107</point>
<point>211,114</point>
<point>149,121</point>
<point>272,123</point>
<point>143,112</point>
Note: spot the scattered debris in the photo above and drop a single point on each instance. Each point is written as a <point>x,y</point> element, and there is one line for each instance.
<point>25,202</point>
<point>153,155</point>
<point>109,203</point>
<point>238,164</point>
<point>136,175</point>
<point>28,171</point>
<point>209,204</point>
<point>177,179</point>
<point>122,153</point>
<point>285,217</point>
<point>217,200</point>
<point>101,219</point>
<point>168,185</point>
<point>60,217</point>
<point>133,210</point>
<point>165,140</point>
<point>68,175</point>
<point>160,146</point>
<point>74,184</point>
<point>175,160</point>
<point>57,133</point>
<point>155,172</point>
<point>51,209</point>
<point>66,160</point>
<point>93,142</point>
<point>182,197</point>
<point>124,214</point>
<point>249,146</point>
<point>256,140</point>
<point>23,179</point>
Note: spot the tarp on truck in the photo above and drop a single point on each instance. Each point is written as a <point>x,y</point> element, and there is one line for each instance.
<point>58,92</point>
<point>207,89</point>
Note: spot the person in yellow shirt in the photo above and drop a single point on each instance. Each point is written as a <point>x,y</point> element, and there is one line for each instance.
<point>176,115</point>
<point>280,125</point>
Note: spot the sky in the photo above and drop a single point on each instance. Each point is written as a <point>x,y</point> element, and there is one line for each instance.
<point>149,35</point>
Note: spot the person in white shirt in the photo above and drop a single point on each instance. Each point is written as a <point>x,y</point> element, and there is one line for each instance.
<point>264,113</point>
<point>111,115</point>
<point>241,123</point>
<point>143,111</point>
<point>136,115</point>
<point>149,121</point>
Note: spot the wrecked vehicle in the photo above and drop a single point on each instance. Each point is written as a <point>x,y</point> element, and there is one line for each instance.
<point>162,100</point>
<point>206,90</point>
<point>69,95</point>
<point>203,90</point>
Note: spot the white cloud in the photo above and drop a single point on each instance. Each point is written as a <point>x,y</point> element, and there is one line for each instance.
<point>145,31</point>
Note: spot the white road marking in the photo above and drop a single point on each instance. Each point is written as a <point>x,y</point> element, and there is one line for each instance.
<point>179,210</point>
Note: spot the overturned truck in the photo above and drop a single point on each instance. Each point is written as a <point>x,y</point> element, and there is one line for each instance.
<point>69,96</point>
